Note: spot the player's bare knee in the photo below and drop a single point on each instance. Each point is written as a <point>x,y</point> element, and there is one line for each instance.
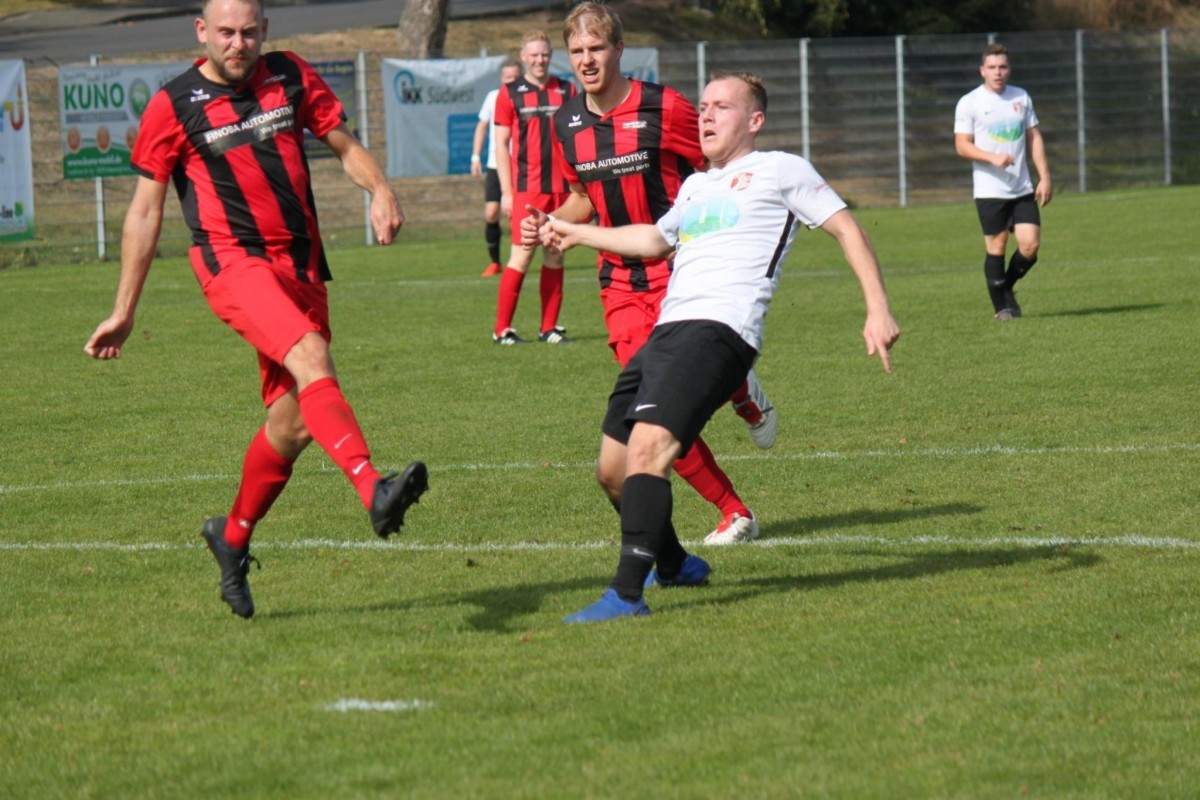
<point>309,360</point>
<point>610,480</point>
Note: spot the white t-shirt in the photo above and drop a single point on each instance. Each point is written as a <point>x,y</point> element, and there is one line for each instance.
<point>487,113</point>
<point>732,228</point>
<point>999,123</point>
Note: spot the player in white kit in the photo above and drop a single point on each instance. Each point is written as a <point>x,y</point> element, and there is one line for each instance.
<point>730,228</point>
<point>994,127</point>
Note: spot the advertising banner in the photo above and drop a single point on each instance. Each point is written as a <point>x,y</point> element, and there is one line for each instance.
<point>100,109</point>
<point>16,154</point>
<point>431,108</point>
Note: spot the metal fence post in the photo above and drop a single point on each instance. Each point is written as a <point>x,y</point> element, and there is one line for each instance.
<point>805,130</point>
<point>101,236</point>
<point>900,121</point>
<point>1081,117</point>
<point>360,85</point>
<point>1164,38</point>
<point>701,67</point>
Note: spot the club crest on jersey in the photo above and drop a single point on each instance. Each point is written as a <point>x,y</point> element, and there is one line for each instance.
<point>741,181</point>
<point>1018,106</point>
<point>634,125</point>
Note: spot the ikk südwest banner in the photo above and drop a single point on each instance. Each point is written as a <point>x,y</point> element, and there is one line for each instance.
<point>16,154</point>
<point>100,109</point>
<point>431,109</point>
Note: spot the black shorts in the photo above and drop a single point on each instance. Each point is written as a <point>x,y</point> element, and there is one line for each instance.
<point>491,186</point>
<point>999,214</point>
<point>678,379</point>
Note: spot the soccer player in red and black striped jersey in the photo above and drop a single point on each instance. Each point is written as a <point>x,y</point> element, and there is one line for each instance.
<point>626,146</point>
<point>530,176</point>
<point>229,133</point>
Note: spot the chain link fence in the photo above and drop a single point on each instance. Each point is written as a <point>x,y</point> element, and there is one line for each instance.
<point>875,115</point>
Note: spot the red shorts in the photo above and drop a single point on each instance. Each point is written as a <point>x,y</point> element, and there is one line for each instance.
<point>630,318</point>
<point>542,202</point>
<point>271,312</point>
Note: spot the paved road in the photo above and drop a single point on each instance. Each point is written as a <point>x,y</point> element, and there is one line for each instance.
<point>66,37</point>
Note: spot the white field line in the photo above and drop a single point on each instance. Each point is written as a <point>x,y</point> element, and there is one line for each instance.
<point>355,704</point>
<point>1133,541</point>
<point>509,466</point>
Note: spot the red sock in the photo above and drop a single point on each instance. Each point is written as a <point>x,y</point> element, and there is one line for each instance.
<point>331,422</point>
<point>507,296</point>
<point>264,474</point>
<point>699,468</point>
<point>741,394</point>
<point>551,286</point>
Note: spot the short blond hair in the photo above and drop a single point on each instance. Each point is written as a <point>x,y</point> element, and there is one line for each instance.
<point>596,19</point>
<point>536,35</point>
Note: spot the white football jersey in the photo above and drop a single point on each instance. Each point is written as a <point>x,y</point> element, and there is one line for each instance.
<point>487,113</point>
<point>998,122</point>
<point>732,228</point>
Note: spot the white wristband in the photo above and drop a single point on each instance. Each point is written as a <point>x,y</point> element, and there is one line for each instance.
<point>474,156</point>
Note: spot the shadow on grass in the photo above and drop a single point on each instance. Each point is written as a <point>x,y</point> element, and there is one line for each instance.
<point>892,516</point>
<point>912,567</point>
<point>498,605</point>
<point>1088,312</point>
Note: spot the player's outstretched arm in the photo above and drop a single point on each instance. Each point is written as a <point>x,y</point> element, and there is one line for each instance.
<point>577,208</point>
<point>362,168</point>
<point>633,241</point>
<point>139,238</point>
<point>880,331</point>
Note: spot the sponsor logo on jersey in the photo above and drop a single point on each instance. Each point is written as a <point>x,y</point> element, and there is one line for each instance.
<point>199,95</point>
<point>614,167</point>
<point>256,128</point>
<point>699,219</point>
<point>575,122</point>
<point>634,125</point>
<point>536,111</point>
<point>274,79</point>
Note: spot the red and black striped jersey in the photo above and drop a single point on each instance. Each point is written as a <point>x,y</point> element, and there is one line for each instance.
<point>236,157</point>
<point>526,109</point>
<point>632,161</point>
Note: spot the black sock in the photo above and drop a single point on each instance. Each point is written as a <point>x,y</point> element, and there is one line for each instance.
<point>670,553</point>
<point>491,235</point>
<point>993,271</point>
<point>1018,266</point>
<point>645,517</point>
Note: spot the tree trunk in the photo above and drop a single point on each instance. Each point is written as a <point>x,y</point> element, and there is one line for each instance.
<point>422,30</point>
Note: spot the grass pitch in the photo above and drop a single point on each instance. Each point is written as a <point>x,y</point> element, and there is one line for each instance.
<point>977,576</point>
